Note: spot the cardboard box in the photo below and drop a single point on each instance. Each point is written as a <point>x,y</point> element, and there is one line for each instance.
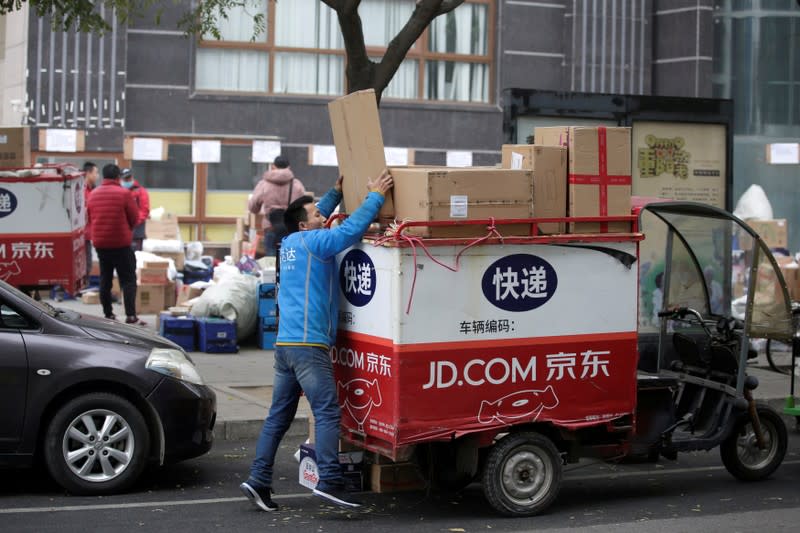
<point>166,229</point>
<point>236,250</point>
<point>395,477</point>
<point>359,147</point>
<point>549,166</point>
<point>90,298</point>
<point>774,233</point>
<point>150,299</point>
<point>170,294</point>
<point>151,276</point>
<point>441,193</point>
<point>78,146</point>
<point>178,258</point>
<point>15,147</point>
<point>599,177</point>
<point>552,136</point>
<point>791,275</point>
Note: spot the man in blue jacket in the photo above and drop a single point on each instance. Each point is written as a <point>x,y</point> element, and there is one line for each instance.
<point>309,302</point>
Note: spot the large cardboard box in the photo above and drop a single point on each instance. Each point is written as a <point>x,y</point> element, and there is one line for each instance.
<point>152,276</point>
<point>549,166</point>
<point>359,147</point>
<point>599,173</point>
<point>15,147</point>
<point>165,229</point>
<point>774,233</point>
<point>178,258</point>
<point>599,177</point>
<point>457,194</point>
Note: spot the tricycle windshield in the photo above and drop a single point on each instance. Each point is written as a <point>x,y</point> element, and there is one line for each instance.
<point>700,240</point>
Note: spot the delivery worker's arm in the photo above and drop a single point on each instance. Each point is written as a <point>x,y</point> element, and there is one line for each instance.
<point>327,243</point>
<point>131,210</point>
<point>328,203</point>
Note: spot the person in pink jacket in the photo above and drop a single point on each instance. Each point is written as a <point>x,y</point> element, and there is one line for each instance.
<point>273,193</point>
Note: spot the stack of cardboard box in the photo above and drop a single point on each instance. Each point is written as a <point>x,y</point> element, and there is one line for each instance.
<point>166,229</point>
<point>570,171</point>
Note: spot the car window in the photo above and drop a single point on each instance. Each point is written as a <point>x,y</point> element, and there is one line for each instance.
<point>10,319</point>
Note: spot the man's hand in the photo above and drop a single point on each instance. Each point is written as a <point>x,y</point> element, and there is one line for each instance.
<point>338,184</point>
<point>381,184</point>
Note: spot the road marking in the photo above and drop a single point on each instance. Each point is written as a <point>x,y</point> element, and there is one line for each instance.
<point>617,475</point>
<point>567,477</point>
<point>100,507</point>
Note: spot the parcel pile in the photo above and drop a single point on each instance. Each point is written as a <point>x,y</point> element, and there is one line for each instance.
<point>567,172</point>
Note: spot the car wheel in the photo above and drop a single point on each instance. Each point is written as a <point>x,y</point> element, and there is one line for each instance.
<point>97,444</point>
<point>522,474</point>
<point>740,452</point>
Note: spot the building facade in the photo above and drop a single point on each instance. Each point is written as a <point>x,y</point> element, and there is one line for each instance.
<point>151,80</point>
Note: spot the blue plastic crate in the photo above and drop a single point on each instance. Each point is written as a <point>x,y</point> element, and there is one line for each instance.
<point>266,290</point>
<point>180,330</point>
<point>266,339</point>
<point>267,307</point>
<point>216,335</point>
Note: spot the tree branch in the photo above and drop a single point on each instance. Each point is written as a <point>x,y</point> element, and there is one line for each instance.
<point>424,12</point>
<point>336,5</point>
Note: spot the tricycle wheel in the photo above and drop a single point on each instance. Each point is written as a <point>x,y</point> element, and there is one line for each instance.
<point>522,474</point>
<point>741,454</point>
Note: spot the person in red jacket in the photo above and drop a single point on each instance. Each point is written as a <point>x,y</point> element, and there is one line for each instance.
<point>91,173</point>
<point>142,200</point>
<point>113,214</point>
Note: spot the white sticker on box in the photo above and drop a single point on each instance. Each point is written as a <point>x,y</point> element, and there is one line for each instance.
<point>458,206</point>
<point>222,335</point>
<point>516,160</point>
<point>308,473</point>
<point>3,139</point>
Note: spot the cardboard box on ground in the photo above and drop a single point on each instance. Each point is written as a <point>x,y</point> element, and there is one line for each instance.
<point>599,174</point>
<point>774,233</point>
<point>423,193</point>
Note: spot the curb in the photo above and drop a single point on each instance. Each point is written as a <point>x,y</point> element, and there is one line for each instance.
<point>251,429</point>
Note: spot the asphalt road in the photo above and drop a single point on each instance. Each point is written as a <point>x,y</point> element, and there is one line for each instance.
<point>694,493</point>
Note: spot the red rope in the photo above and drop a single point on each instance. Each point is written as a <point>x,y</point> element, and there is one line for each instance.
<point>417,241</point>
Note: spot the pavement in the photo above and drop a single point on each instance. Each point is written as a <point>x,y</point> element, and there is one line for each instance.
<point>243,382</point>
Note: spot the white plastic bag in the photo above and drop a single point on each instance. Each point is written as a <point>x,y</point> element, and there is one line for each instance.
<point>234,298</point>
<point>754,204</point>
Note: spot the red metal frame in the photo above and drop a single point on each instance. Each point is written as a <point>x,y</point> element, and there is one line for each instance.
<point>495,226</point>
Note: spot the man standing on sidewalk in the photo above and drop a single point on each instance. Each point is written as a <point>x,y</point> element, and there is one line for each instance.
<point>309,302</point>
<point>113,213</point>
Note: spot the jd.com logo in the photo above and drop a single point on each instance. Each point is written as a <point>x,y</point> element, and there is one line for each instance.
<point>357,278</point>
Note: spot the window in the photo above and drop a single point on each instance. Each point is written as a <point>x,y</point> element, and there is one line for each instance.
<point>175,173</point>
<point>235,170</point>
<point>302,51</point>
<point>10,319</point>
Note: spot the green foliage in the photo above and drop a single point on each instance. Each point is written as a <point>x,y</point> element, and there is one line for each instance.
<point>85,15</point>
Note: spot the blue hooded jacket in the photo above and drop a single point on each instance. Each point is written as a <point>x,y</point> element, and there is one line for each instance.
<point>309,295</point>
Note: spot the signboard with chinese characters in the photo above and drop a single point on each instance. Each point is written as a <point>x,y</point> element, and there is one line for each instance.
<point>518,333</point>
<point>679,161</point>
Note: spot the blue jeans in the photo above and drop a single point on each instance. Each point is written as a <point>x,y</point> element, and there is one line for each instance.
<point>307,369</point>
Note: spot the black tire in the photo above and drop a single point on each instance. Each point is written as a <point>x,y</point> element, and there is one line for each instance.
<point>522,474</point>
<point>95,468</point>
<point>740,453</point>
<point>779,356</point>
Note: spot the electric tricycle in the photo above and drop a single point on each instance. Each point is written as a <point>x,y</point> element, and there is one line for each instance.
<point>478,356</point>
